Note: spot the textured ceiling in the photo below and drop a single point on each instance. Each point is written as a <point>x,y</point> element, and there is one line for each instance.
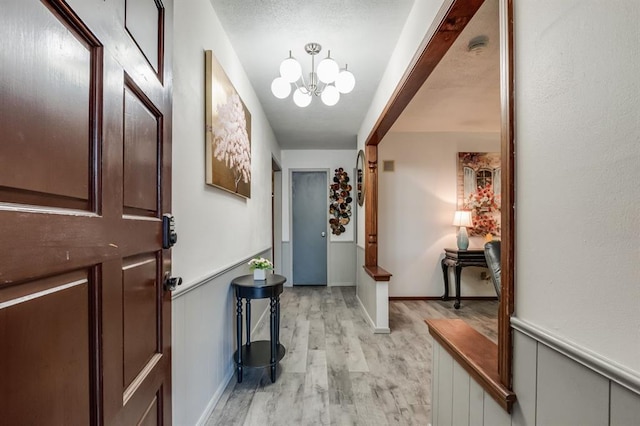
<point>461,95</point>
<point>463,92</point>
<point>360,33</point>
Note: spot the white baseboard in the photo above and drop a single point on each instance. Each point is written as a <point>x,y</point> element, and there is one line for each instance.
<point>214,399</point>
<point>348,284</point>
<point>218,394</point>
<point>376,329</point>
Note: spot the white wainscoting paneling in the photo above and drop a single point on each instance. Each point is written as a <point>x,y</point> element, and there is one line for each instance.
<point>445,386</point>
<point>287,269</point>
<point>457,398</point>
<point>342,263</point>
<point>494,415</point>
<point>552,389</point>
<point>525,362</point>
<point>435,389</point>
<point>582,355</point>
<point>569,393</point>
<point>373,297</point>
<point>476,404</point>
<point>625,406</point>
<point>341,267</point>
<point>460,396</point>
<point>203,339</point>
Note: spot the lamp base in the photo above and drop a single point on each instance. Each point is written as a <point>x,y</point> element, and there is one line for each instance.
<point>463,238</point>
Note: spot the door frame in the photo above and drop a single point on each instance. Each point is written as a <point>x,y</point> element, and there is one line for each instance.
<point>276,215</point>
<point>290,191</point>
<point>453,17</point>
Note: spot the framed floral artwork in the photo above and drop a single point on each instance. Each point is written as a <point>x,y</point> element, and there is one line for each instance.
<point>227,132</point>
<point>479,187</point>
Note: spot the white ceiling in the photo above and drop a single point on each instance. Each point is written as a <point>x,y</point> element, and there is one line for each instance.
<point>462,94</point>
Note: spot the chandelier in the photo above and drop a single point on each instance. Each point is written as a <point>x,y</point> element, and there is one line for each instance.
<point>327,82</point>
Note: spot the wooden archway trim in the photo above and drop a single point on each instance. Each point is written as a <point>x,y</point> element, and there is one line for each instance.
<point>422,65</point>
<point>429,55</point>
<point>508,214</point>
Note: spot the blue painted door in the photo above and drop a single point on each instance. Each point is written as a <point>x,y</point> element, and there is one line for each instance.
<point>309,233</point>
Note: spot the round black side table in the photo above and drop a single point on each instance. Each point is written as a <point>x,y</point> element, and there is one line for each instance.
<point>261,353</point>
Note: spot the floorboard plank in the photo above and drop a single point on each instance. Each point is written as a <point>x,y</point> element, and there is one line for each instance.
<point>337,372</point>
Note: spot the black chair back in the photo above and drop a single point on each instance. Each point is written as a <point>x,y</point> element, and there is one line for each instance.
<point>492,255</point>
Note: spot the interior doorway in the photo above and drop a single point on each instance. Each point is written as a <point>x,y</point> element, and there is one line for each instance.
<point>309,227</point>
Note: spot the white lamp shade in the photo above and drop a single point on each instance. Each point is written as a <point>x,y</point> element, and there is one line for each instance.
<point>290,70</point>
<point>280,88</point>
<point>328,70</point>
<point>330,95</point>
<point>301,99</point>
<point>462,218</point>
<point>345,81</point>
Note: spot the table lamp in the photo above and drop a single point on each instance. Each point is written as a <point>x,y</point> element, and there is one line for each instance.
<point>462,219</point>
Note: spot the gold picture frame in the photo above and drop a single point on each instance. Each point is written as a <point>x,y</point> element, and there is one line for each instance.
<point>227,132</point>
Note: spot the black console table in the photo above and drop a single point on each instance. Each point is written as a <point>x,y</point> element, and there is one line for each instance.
<point>261,353</point>
<point>459,259</point>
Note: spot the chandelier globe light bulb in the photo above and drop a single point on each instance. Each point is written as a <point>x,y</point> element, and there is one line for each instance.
<point>330,95</point>
<point>326,81</point>
<point>301,99</point>
<point>345,81</point>
<point>290,69</point>
<point>328,70</point>
<point>280,88</point>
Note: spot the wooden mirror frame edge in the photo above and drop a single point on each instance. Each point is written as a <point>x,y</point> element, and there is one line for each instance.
<point>360,168</point>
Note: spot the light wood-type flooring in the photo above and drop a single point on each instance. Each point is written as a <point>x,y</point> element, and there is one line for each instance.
<point>337,372</point>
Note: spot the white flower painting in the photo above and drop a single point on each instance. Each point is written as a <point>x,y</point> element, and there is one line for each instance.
<point>228,133</point>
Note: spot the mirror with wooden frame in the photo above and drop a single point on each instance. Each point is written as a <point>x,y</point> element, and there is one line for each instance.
<point>360,177</point>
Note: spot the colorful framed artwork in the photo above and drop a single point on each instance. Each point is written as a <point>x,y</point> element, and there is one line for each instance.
<point>227,132</point>
<point>479,186</point>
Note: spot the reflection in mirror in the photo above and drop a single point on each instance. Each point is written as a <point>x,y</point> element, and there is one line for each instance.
<point>360,177</point>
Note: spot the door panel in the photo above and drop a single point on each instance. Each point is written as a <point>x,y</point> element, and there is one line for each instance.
<point>49,316</point>
<point>140,313</point>
<point>309,216</point>
<point>85,169</point>
<point>142,145</point>
<point>63,64</point>
<point>145,22</point>
<point>151,415</point>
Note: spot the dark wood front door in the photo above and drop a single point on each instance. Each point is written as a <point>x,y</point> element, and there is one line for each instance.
<point>85,165</point>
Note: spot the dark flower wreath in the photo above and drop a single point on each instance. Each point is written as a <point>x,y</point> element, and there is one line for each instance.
<point>340,197</point>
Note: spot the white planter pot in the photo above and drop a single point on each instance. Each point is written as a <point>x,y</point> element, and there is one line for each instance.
<point>260,274</point>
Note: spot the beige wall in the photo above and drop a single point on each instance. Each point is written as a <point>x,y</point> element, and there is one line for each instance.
<point>417,202</point>
<point>217,231</point>
<point>577,157</point>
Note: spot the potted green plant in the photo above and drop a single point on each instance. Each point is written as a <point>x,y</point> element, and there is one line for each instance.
<point>259,267</point>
